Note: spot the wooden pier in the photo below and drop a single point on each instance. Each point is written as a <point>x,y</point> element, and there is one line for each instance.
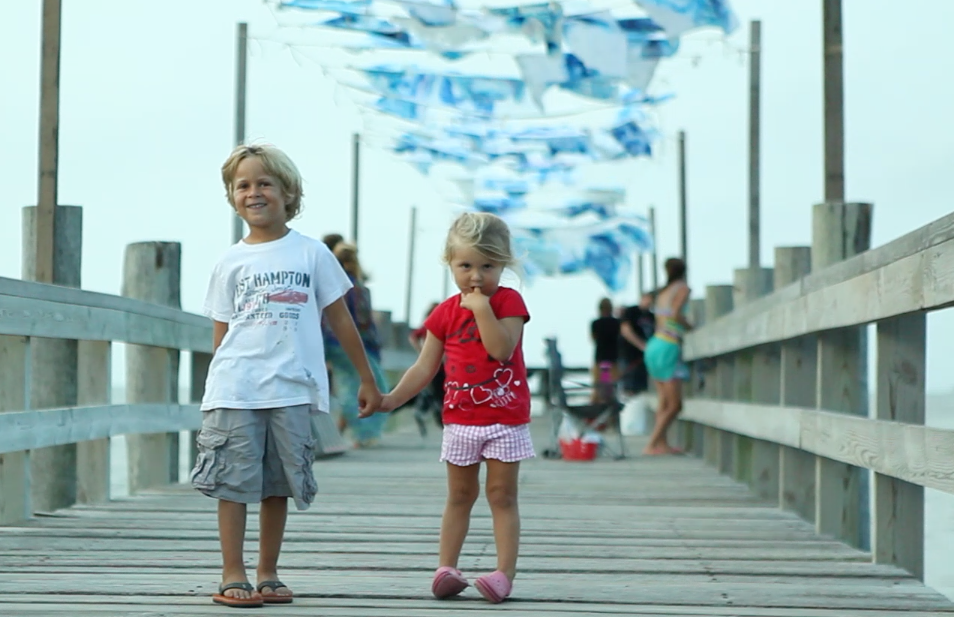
<point>643,536</point>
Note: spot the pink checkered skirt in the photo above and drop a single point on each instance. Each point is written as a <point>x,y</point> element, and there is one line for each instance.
<point>467,445</point>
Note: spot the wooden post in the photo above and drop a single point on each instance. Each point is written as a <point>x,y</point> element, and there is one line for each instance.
<point>355,184</point>
<point>640,269</point>
<point>198,373</point>
<point>54,379</point>
<point>412,233</point>
<point>94,372</point>
<point>683,213</point>
<point>898,522</point>
<point>696,386</point>
<point>655,260</point>
<point>151,272</point>
<point>798,372</point>
<point>43,256</point>
<point>241,81</point>
<point>716,447</point>
<point>834,101</point>
<point>792,263</point>
<point>840,231</point>
<point>755,67</point>
<point>749,284</point>
<point>15,380</point>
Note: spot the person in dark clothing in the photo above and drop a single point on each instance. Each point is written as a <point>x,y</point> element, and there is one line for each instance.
<point>605,334</point>
<point>637,325</point>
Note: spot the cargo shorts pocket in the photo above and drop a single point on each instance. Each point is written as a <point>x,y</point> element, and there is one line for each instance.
<point>210,459</point>
<point>309,485</point>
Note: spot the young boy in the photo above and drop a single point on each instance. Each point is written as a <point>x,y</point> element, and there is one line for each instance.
<point>266,297</point>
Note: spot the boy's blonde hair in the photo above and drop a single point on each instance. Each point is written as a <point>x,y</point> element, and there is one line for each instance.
<point>485,232</point>
<point>277,164</point>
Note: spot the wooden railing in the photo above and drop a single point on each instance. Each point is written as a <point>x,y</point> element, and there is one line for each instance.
<point>779,396</point>
<point>33,315</point>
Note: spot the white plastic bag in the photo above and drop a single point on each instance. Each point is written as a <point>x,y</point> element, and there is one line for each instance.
<point>633,418</point>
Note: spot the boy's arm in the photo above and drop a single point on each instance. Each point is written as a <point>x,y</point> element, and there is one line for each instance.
<point>341,323</point>
<point>219,329</point>
<point>418,376</point>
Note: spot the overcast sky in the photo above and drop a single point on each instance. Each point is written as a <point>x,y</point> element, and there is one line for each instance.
<point>147,119</point>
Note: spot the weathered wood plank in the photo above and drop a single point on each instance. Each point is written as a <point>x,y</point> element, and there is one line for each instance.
<point>27,430</point>
<point>913,273</point>
<point>916,454</point>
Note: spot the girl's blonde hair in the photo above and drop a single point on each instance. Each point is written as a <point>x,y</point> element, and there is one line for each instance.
<point>277,164</point>
<point>347,255</point>
<point>485,232</point>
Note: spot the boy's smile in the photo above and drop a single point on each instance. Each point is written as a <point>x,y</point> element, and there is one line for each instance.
<point>259,199</point>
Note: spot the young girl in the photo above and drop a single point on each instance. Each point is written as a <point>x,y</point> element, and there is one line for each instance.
<point>487,401</point>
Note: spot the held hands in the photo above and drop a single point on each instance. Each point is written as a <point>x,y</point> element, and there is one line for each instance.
<point>382,403</point>
<point>474,300</point>
<point>369,399</point>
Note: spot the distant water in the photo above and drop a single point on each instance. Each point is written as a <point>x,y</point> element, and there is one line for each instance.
<point>939,510</point>
<point>938,507</point>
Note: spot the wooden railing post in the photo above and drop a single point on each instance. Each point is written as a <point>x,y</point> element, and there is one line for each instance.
<point>53,382</point>
<point>898,518</point>
<point>14,396</point>
<point>798,371</point>
<point>839,231</point>
<point>94,387</point>
<point>716,445</point>
<point>749,284</point>
<point>151,272</point>
<point>692,433</point>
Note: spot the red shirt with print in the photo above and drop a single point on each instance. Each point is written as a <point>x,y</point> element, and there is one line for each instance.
<point>480,390</point>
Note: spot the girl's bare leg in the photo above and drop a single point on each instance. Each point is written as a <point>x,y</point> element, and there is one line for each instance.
<point>670,396</point>
<point>502,479</point>
<point>463,486</point>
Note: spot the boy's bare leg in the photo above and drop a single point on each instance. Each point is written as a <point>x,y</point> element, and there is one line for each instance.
<point>463,486</point>
<point>271,519</point>
<point>232,538</point>
<point>502,496</point>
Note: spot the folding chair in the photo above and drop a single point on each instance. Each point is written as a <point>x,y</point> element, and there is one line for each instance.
<point>596,414</point>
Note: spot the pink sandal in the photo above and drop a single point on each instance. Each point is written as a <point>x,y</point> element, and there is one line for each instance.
<point>448,582</point>
<point>494,587</point>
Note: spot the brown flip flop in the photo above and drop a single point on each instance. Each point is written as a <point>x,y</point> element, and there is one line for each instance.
<point>274,598</point>
<point>221,598</point>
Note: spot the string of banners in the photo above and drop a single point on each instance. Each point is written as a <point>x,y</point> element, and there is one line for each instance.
<point>514,98</point>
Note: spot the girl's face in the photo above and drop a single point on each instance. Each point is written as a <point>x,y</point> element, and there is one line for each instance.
<point>473,270</point>
<point>259,200</point>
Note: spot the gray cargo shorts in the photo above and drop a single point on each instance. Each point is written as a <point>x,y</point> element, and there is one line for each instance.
<point>247,455</point>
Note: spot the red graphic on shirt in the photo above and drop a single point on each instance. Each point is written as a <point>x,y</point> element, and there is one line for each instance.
<point>288,296</point>
<point>480,390</point>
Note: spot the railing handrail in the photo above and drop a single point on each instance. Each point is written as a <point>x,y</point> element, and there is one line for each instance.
<point>52,311</point>
<point>893,279</point>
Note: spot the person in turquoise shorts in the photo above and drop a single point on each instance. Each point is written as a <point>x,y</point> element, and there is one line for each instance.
<point>663,355</point>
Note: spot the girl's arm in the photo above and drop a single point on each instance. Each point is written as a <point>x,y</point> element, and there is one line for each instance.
<point>500,336</point>
<point>219,329</point>
<point>341,323</point>
<point>417,377</point>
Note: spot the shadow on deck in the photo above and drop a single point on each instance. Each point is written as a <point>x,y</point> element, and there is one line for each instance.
<point>666,536</point>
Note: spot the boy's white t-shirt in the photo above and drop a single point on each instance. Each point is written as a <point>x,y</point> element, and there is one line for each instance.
<point>271,295</point>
